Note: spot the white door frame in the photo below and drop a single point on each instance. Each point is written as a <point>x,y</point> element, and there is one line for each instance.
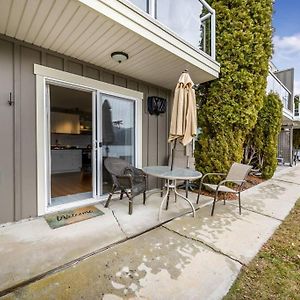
<point>47,75</point>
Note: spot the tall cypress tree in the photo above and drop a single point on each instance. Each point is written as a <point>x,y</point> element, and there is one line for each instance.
<point>230,104</point>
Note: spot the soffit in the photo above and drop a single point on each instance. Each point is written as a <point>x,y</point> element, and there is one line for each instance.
<point>91,30</point>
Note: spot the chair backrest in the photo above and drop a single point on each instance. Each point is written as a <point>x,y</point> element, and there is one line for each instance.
<point>116,166</point>
<point>238,172</point>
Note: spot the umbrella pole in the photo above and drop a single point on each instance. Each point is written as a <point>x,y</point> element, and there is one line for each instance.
<point>172,160</point>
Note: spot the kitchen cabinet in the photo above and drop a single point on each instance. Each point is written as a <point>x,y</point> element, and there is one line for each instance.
<point>65,123</point>
<point>66,161</point>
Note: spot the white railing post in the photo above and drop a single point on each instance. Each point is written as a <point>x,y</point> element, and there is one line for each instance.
<point>152,8</point>
<point>213,35</point>
<point>212,15</point>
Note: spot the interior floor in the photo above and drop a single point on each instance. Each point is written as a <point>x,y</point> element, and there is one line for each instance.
<point>64,184</point>
<point>70,187</point>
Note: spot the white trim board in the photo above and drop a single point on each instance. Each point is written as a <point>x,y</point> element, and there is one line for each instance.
<point>86,82</point>
<point>45,74</point>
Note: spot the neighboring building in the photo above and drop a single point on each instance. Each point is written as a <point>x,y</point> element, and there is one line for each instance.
<point>296,128</point>
<point>282,83</point>
<point>59,63</point>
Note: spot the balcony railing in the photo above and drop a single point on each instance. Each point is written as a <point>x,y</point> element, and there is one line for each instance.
<point>191,20</point>
<point>274,85</point>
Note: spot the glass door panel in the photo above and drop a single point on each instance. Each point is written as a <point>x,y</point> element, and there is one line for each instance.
<point>118,133</point>
<point>70,144</point>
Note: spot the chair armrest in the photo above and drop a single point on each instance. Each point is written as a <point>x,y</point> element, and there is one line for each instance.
<point>125,181</point>
<point>134,172</point>
<point>139,172</point>
<point>233,181</point>
<point>212,174</point>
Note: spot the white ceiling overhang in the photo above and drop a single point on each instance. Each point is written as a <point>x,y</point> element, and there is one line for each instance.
<point>287,116</point>
<point>90,30</point>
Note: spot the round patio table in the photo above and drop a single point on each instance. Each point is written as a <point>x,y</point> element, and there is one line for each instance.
<point>171,176</point>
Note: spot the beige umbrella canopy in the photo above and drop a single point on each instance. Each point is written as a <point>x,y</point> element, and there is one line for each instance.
<point>183,125</point>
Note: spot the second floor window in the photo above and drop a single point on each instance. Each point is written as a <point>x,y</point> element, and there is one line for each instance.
<point>142,4</point>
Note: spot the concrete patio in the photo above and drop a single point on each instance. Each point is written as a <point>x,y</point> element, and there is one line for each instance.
<point>117,256</point>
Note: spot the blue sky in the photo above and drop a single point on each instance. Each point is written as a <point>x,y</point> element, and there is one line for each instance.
<point>286,21</point>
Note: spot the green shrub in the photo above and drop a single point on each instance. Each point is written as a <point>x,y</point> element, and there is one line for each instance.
<point>264,138</point>
<point>230,104</point>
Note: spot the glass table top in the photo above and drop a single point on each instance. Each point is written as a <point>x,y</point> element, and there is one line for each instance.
<point>177,173</point>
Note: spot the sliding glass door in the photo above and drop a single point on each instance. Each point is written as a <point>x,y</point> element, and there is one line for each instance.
<point>86,127</point>
<point>71,130</point>
<point>118,133</point>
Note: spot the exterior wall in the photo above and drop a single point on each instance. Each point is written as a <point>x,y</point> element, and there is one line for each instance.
<point>285,145</point>
<point>282,83</point>
<point>287,78</point>
<point>20,143</point>
<point>275,85</point>
<point>6,134</point>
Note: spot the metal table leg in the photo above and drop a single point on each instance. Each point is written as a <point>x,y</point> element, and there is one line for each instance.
<point>163,200</point>
<point>186,199</point>
<point>176,193</point>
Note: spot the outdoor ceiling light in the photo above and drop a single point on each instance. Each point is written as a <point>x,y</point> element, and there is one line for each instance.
<point>119,56</point>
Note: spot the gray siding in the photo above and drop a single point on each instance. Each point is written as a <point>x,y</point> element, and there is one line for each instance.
<point>17,60</point>
<point>6,133</point>
<point>287,78</point>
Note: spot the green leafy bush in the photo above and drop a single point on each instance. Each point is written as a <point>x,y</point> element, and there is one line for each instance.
<point>230,104</point>
<point>261,146</point>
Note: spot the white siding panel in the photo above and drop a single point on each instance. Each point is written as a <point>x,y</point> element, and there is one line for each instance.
<point>118,43</point>
<point>147,54</point>
<point>92,37</point>
<point>5,8</point>
<point>15,16</point>
<point>51,20</point>
<point>86,39</point>
<point>61,23</point>
<point>29,13</point>
<point>70,27</point>
<point>135,43</point>
<point>88,20</point>
<point>107,41</point>
<point>39,20</point>
<point>162,61</point>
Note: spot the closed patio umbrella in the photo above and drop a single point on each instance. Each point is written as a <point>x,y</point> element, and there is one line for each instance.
<point>183,125</point>
<point>107,126</point>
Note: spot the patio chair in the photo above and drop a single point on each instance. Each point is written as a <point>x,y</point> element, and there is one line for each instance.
<point>236,175</point>
<point>126,178</point>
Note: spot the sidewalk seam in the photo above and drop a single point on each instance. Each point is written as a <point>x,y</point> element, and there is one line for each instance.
<point>207,245</point>
<point>113,213</point>
<point>257,212</point>
<point>278,179</point>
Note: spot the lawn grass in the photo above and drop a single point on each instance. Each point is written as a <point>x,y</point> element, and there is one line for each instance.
<point>275,271</point>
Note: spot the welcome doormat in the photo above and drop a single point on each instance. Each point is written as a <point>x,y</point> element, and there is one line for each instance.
<point>71,216</point>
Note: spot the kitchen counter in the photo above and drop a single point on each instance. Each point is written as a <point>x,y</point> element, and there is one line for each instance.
<point>66,161</point>
<point>68,148</point>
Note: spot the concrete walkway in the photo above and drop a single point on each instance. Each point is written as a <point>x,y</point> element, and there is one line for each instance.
<point>190,258</point>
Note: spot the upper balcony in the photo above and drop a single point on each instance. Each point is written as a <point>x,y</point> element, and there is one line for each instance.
<point>276,86</point>
<point>193,21</point>
<point>160,38</point>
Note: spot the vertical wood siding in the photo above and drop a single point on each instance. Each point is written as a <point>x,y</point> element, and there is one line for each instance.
<point>7,211</point>
<point>155,129</point>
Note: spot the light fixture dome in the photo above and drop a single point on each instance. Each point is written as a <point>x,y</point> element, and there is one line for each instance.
<point>119,56</point>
